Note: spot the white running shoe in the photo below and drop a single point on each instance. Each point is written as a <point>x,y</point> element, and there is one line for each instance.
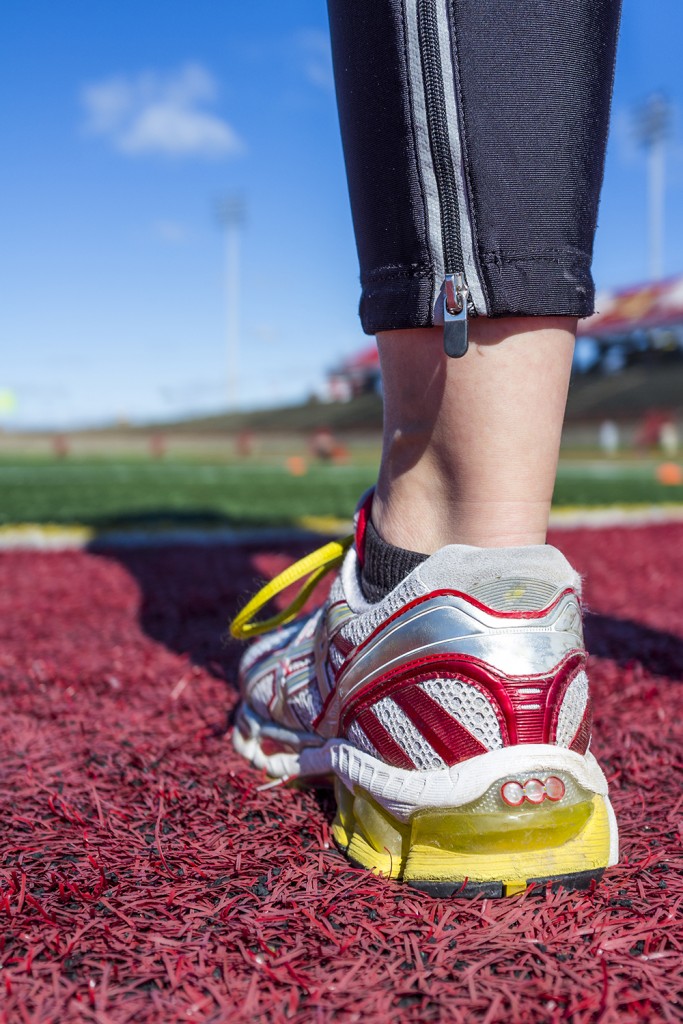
<point>453,715</point>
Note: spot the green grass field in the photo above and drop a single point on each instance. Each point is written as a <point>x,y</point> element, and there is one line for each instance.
<point>128,492</point>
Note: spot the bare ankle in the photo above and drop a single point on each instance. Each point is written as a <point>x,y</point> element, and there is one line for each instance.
<point>424,523</point>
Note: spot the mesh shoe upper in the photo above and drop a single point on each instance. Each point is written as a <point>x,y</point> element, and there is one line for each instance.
<point>475,650</point>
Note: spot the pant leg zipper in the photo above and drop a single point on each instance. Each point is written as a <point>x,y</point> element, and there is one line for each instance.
<point>455,298</point>
<point>455,289</point>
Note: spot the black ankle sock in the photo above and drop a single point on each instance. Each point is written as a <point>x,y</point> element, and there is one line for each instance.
<point>385,566</point>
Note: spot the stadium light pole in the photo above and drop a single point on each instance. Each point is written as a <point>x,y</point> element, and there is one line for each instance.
<point>231,215</point>
<point>653,123</point>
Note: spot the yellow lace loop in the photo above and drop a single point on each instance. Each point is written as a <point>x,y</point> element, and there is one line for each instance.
<point>314,566</point>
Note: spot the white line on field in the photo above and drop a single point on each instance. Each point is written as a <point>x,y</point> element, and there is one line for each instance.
<point>51,537</point>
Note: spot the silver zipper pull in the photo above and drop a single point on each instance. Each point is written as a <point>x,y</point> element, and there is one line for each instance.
<point>455,315</point>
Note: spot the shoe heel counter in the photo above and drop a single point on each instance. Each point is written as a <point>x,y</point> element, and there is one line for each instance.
<point>431,719</point>
<point>552,706</point>
<point>463,680</point>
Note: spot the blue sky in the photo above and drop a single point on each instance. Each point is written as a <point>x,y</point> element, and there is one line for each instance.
<point>123,125</point>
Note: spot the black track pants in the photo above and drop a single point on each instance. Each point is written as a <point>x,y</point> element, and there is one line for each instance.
<point>474,133</point>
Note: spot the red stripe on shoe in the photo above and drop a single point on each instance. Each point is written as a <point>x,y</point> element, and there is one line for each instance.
<point>364,513</point>
<point>343,645</point>
<point>502,691</point>
<point>385,744</point>
<point>582,736</point>
<point>451,740</point>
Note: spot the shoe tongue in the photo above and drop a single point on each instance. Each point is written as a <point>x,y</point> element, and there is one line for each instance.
<point>520,579</point>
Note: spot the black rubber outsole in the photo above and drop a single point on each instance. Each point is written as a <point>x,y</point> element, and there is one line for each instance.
<point>579,881</point>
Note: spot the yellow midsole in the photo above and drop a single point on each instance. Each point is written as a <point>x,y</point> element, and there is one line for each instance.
<point>454,846</point>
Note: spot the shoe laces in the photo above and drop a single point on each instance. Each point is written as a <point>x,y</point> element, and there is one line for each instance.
<point>313,567</point>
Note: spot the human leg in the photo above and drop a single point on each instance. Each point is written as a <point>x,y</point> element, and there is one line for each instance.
<point>452,708</point>
<point>471,445</point>
<point>474,137</point>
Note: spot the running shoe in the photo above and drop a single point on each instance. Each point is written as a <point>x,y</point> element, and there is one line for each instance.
<point>454,717</point>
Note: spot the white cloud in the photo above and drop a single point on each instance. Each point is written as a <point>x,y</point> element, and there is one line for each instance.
<point>153,113</point>
<point>314,46</point>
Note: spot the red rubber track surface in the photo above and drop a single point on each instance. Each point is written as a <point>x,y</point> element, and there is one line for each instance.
<point>144,878</point>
